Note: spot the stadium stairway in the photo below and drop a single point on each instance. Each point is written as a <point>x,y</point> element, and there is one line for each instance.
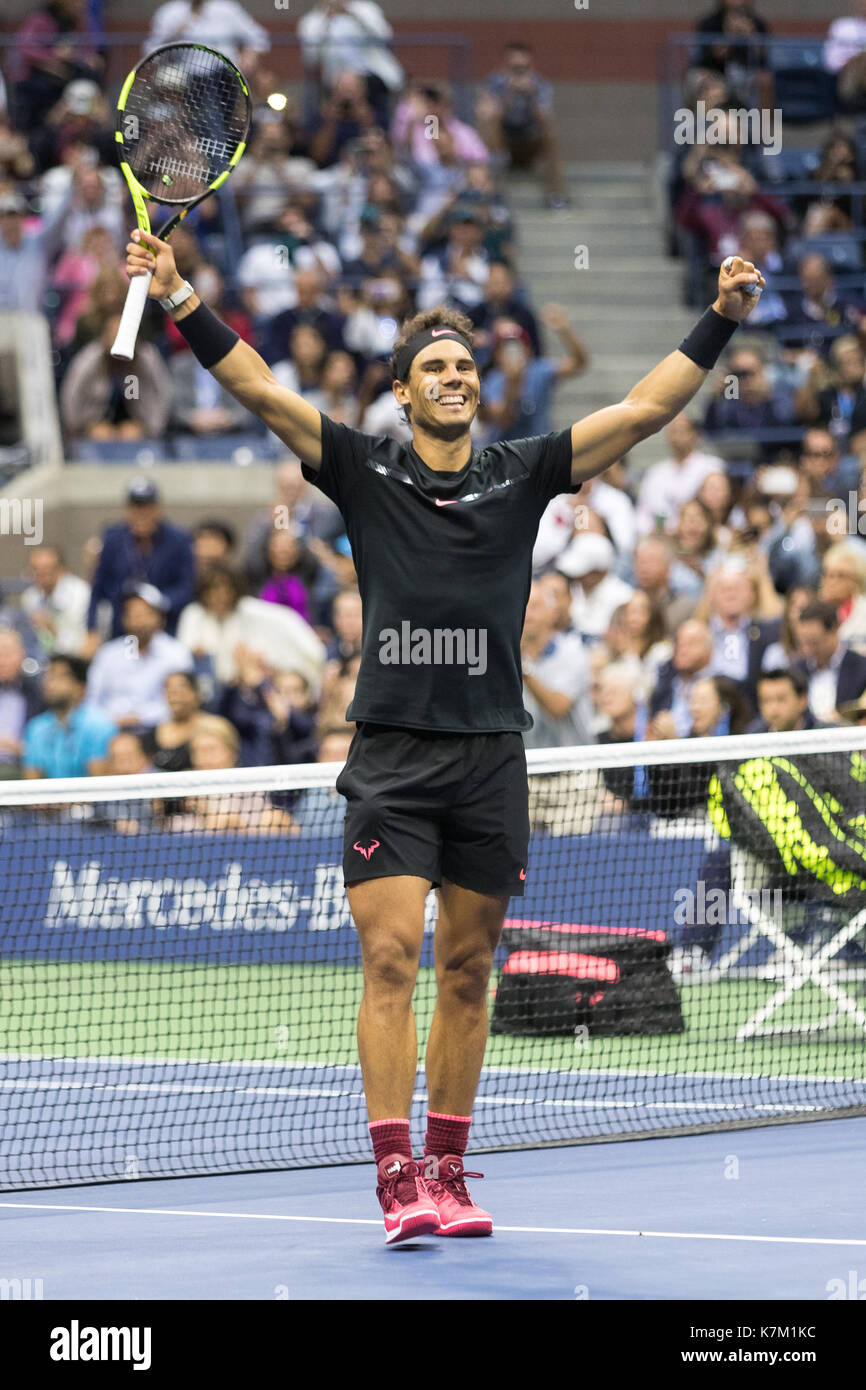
<point>625,301</point>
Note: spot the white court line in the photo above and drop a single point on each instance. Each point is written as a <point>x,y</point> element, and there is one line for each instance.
<point>367,1221</point>
<point>536,1069</point>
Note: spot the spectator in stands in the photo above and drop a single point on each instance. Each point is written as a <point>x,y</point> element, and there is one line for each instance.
<point>311,308</point>
<point>515,115</point>
<point>729,55</point>
<point>143,547</point>
<point>224,617</point>
<point>17,164</point>
<point>739,638</point>
<point>558,590</point>
<point>835,393</point>
<point>22,258</point>
<point>625,722</point>
<point>691,662</point>
<point>295,505</point>
<point>715,493</point>
<point>347,625</point>
<point>843,584</point>
<point>783,702</point>
<point>200,406</point>
<point>213,542</point>
<point>786,652</point>
<point>93,197</point>
<point>107,400</point>
<point>821,465</point>
<point>378,252</point>
<point>344,115</point>
<point>338,691</point>
<point>44,60</point>
<point>81,116</point>
<point>127,675</point>
<point>221,24</point>
<point>261,705</point>
<point>836,675</point>
<point>823,213</point>
<point>845,55</point>
<point>556,679</point>
<point>273,169</point>
<point>641,641</point>
<point>759,243</point>
<point>695,550</point>
<point>667,485</point>
<point>96,288</point>
<point>215,747</point>
<point>654,571</point>
<point>56,602</point>
<point>501,301</point>
<point>518,389</point>
<point>266,271</point>
<point>819,311</point>
<point>718,707</point>
<point>167,743</point>
<point>20,701</point>
<point>71,738</point>
<point>286,555</point>
<point>562,520</point>
<point>753,406</point>
<point>127,757</point>
<point>596,591</point>
<point>459,270</point>
<point>302,370</point>
<point>720,194</point>
<point>322,810</point>
<point>425,128</point>
<point>607,497</point>
<point>340,36</point>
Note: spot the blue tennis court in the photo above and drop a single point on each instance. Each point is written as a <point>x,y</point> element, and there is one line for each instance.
<point>773,1213</point>
<point>263,1115</point>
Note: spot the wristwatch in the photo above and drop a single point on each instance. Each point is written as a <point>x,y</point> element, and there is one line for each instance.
<point>175,300</point>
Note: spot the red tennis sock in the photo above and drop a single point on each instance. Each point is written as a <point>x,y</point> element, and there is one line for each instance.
<point>390,1137</point>
<point>446,1134</point>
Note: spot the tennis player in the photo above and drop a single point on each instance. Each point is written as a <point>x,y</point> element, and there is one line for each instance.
<point>435,781</point>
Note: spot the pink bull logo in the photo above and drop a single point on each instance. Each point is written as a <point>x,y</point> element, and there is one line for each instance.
<point>366,850</point>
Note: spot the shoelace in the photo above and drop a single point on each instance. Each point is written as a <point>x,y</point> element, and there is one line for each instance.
<point>455,1184</point>
<point>402,1187</point>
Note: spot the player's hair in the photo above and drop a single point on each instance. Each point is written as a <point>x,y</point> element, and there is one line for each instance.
<point>440,317</point>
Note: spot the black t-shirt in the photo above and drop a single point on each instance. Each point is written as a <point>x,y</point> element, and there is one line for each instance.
<point>444,564</point>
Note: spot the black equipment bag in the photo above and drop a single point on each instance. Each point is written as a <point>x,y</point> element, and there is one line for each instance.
<point>612,981</point>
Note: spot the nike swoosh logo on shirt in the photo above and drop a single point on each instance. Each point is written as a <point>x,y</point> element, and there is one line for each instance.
<point>448,501</point>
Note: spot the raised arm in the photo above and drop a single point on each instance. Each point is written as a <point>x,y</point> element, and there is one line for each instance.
<point>606,435</point>
<point>240,370</point>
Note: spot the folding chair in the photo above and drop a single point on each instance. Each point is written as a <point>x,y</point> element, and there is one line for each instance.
<point>791,964</point>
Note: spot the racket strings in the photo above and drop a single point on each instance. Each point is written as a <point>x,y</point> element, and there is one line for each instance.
<point>185,115</point>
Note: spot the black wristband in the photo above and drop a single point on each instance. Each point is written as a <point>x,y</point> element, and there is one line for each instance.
<point>708,339</point>
<point>207,335</point>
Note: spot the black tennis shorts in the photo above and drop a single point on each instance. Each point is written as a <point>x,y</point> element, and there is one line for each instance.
<point>437,806</point>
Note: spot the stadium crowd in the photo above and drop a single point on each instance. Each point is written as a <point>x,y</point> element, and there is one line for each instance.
<point>723,591</point>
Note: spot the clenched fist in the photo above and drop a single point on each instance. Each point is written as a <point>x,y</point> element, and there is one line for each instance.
<point>740,285</point>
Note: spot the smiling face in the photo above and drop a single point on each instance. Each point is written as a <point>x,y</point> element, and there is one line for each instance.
<point>442,390</point>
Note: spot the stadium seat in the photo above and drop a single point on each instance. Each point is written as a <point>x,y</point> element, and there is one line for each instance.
<point>804,91</point>
<point>238,448</point>
<point>125,451</point>
<point>844,252</point>
<point>788,165</point>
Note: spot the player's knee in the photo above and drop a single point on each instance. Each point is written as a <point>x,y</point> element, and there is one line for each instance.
<point>465,978</point>
<point>390,968</point>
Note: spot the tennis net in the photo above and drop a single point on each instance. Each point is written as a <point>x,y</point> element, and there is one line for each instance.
<point>180,980</point>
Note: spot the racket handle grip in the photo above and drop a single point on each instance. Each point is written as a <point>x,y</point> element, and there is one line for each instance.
<point>123,346</point>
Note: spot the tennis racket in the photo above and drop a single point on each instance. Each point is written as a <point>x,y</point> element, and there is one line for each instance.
<point>183,116</point>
